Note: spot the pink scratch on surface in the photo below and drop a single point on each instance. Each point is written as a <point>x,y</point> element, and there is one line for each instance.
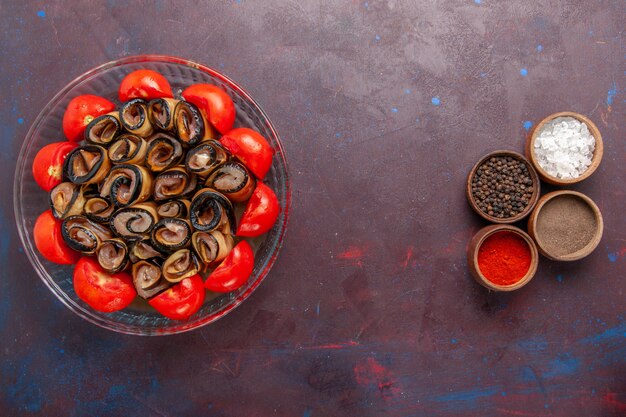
<point>407,258</point>
<point>370,372</point>
<point>334,346</point>
<point>611,398</point>
<point>354,254</point>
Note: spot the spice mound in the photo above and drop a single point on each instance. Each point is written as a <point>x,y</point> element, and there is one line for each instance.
<point>502,186</point>
<point>504,258</point>
<point>564,147</point>
<point>565,225</point>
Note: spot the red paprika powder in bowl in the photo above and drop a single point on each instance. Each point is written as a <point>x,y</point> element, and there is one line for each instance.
<point>502,257</point>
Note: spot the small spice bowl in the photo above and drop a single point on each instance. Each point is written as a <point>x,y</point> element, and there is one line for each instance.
<point>566,225</point>
<point>595,160</point>
<point>531,200</point>
<point>482,236</point>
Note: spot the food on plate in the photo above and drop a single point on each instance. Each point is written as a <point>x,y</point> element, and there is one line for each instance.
<point>151,196</point>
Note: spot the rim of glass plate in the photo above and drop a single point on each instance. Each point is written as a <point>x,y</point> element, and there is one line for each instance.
<point>40,269</point>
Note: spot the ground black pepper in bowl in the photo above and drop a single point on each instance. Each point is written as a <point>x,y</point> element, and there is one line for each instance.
<point>503,187</point>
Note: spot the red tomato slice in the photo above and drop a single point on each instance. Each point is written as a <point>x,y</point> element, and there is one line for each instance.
<point>261,212</point>
<point>182,300</point>
<point>102,291</point>
<point>146,84</point>
<point>49,241</point>
<point>48,164</point>
<point>215,103</point>
<point>234,270</point>
<point>250,148</point>
<point>80,112</point>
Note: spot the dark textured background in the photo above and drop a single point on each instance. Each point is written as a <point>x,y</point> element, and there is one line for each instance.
<point>382,107</point>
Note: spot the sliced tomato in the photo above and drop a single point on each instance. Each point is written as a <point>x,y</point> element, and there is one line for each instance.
<point>234,270</point>
<point>102,291</point>
<point>251,148</point>
<point>261,212</point>
<point>215,103</point>
<point>48,164</point>
<point>145,84</point>
<point>49,241</point>
<point>80,112</point>
<point>182,300</point>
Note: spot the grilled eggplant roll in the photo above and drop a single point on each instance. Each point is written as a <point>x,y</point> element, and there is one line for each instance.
<point>66,199</point>
<point>211,210</point>
<point>87,164</point>
<point>132,223</point>
<point>189,124</point>
<point>180,265</point>
<point>128,149</point>
<point>83,235</point>
<point>161,113</point>
<point>205,157</point>
<point>103,129</point>
<point>164,151</point>
<point>173,183</point>
<point>134,117</point>
<point>127,184</point>
<point>112,255</point>
<point>174,208</point>
<point>148,278</point>
<point>171,234</point>
<point>143,249</point>
<point>233,180</point>
<point>98,209</point>
<point>212,246</point>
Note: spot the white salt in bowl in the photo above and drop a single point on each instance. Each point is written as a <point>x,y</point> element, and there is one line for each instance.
<point>595,160</point>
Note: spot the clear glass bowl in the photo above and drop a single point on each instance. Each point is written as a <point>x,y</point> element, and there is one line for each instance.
<point>30,201</point>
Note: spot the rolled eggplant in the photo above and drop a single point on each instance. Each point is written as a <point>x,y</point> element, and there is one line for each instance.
<point>174,183</point>
<point>83,235</point>
<point>148,278</point>
<point>233,180</point>
<point>134,117</point>
<point>66,199</point>
<point>180,265</point>
<point>112,255</point>
<point>103,129</point>
<point>211,210</point>
<point>128,149</point>
<point>205,157</point>
<point>212,246</point>
<point>98,209</point>
<point>171,234</point>
<point>87,164</point>
<point>127,184</point>
<point>189,124</point>
<point>142,249</point>
<point>132,223</point>
<point>164,151</point>
<point>174,208</point>
<point>161,113</point>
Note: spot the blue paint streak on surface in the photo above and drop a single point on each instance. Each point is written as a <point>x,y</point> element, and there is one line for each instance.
<point>562,365</point>
<point>366,5</point>
<point>483,74</point>
<point>539,48</point>
<point>337,135</point>
<point>613,256</point>
<point>435,101</point>
<point>454,341</point>
<point>527,125</point>
<point>610,95</point>
<point>41,13</point>
<point>407,91</point>
<point>25,392</point>
<point>394,110</point>
<point>307,413</point>
<point>417,120</point>
<point>559,278</point>
<point>523,72</point>
<point>377,37</point>
<point>468,398</point>
<point>477,1</point>
<point>616,332</point>
<point>534,345</point>
<point>20,121</point>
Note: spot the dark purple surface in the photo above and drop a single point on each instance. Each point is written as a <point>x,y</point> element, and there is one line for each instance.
<point>383,107</point>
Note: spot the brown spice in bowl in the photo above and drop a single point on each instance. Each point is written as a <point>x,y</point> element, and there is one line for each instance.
<point>566,225</point>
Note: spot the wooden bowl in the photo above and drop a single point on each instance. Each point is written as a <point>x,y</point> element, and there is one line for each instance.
<point>533,199</point>
<point>597,153</point>
<point>545,237</point>
<point>474,247</point>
